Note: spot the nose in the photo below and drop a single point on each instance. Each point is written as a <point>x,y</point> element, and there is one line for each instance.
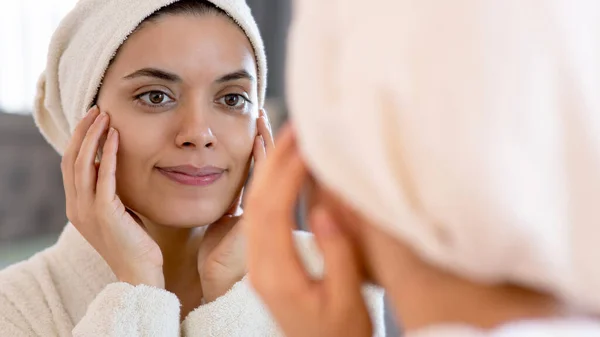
<point>194,130</point>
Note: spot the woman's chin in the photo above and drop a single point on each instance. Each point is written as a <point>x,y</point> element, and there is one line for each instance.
<point>178,212</point>
<point>186,217</point>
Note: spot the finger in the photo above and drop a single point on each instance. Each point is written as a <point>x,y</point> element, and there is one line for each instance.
<point>106,185</point>
<point>259,151</point>
<point>79,133</point>
<point>277,185</point>
<point>72,150</point>
<point>277,160</point>
<point>268,120</point>
<point>343,277</point>
<point>85,173</point>
<point>269,226</point>
<point>84,168</point>
<point>276,189</point>
<point>264,129</point>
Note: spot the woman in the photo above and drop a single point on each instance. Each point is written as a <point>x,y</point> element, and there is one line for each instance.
<point>463,174</point>
<point>153,175</point>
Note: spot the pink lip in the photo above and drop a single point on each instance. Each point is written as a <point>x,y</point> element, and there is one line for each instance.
<point>191,175</point>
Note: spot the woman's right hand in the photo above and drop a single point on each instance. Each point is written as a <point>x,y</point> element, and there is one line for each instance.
<point>94,208</point>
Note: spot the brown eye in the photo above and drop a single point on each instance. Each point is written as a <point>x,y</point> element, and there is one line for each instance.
<point>234,101</point>
<point>155,98</point>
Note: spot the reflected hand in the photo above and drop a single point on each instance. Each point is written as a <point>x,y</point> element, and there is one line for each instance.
<point>302,306</point>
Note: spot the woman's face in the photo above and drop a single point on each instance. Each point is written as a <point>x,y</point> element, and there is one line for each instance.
<point>182,93</point>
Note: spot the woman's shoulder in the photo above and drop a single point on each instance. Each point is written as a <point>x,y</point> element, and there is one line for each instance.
<point>22,292</point>
<point>67,275</point>
<point>24,278</point>
<point>22,274</point>
<point>32,271</point>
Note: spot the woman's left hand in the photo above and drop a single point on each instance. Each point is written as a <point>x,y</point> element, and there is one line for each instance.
<point>333,306</point>
<point>221,261</point>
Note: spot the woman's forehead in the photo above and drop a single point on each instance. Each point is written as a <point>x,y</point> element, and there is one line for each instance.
<point>191,46</point>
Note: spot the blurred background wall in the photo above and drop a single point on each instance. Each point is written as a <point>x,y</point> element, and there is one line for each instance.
<point>32,205</point>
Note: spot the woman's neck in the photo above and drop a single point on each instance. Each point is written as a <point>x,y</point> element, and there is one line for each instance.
<point>179,247</point>
<point>432,297</point>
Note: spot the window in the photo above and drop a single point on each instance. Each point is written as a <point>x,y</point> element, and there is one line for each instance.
<point>26,27</point>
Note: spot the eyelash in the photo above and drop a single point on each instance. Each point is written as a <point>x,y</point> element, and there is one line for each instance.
<point>151,105</point>
<point>158,106</point>
<point>242,108</point>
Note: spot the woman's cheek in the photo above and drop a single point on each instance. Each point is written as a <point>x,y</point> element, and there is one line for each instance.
<point>243,146</point>
<point>238,137</point>
<point>136,138</point>
<point>249,136</point>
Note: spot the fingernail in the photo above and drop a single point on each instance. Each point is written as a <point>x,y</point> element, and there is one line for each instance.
<point>258,140</point>
<point>100,118</point>
<point>91,111</point>
<point>113,132</point>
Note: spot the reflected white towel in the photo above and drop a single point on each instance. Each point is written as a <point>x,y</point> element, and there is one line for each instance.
<point>468,129</point>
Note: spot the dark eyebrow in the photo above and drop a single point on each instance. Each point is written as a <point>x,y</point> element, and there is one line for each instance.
<point>238,75</point>
<point>153,72</point>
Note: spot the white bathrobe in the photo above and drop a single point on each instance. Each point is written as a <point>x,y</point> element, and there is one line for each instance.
<point>68,290</point>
